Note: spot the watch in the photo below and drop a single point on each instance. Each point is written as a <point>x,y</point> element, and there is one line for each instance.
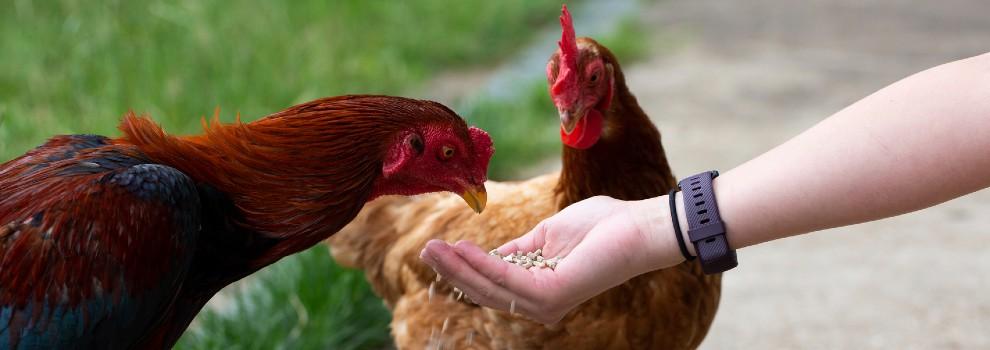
<point>705,228</point>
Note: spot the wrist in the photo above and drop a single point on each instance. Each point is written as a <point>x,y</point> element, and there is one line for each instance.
<point>656,228</point>
<point>682,223</point>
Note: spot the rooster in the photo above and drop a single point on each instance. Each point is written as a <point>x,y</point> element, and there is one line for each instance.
<point>611,148</point>
<point>116,243</point>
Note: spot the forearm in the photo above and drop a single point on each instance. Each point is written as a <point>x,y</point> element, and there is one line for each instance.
<point>916,143</point>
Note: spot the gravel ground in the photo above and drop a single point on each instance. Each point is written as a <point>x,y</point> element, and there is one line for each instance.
<point>757,73</point>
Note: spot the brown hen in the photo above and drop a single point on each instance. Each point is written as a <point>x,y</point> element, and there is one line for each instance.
<point>611,149</point>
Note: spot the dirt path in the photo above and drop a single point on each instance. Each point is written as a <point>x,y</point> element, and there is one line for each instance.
<point>759,72</point>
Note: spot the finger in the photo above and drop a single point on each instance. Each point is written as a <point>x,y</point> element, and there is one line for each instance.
<point>450,265</point>
<point>528,242</point>
<point>514,278</point>
<point>462,276</point>
<point>525,283</point>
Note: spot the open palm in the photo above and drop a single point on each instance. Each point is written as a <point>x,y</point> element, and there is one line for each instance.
<point>601,244</point>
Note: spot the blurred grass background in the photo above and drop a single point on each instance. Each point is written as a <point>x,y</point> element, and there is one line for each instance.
<point>70,66</point>
<point>74,66</point>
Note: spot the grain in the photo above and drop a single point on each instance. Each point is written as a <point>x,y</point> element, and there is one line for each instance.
<point>527,260</point>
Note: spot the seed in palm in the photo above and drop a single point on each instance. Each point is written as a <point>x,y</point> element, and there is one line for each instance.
<point>527,260</point>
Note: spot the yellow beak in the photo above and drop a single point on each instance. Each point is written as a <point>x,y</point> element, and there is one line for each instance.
<point>476,198</point>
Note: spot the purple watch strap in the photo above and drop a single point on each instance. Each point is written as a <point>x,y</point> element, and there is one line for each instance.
<point>705,228</point>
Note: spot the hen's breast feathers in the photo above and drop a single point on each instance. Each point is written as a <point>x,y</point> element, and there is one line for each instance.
<point>89,231</point>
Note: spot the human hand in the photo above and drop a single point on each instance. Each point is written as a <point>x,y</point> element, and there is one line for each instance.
<point>602,242</point>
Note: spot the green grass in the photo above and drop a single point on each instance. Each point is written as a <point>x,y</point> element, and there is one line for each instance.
<point>304,302</point>
<point>628,42</point>
<point>71,66</point>
<point>524,130</point>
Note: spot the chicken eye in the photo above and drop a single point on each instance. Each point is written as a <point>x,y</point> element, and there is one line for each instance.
<point>448,152</point>
<point>594,77</point>
<point>416,142</point>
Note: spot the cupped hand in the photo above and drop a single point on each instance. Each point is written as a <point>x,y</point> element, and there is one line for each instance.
<point>602,242</point>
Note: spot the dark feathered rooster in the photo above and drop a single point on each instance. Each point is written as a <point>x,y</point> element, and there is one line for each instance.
<point>116,243</point>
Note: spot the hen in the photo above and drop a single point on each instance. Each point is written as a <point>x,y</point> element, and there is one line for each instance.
<point>118,243</point>
<point>611,148</point>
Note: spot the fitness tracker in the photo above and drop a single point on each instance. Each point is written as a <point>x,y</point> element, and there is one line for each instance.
<point>705,228</point>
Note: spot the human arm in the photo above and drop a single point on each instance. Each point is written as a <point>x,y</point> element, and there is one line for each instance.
<point>916,143</point>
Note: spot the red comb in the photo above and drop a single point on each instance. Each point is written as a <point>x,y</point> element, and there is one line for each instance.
<point>567,77</point>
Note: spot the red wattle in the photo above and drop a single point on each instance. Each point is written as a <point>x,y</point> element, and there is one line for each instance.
<point>587,131</point>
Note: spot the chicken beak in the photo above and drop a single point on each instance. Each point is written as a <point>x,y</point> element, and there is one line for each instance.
<point>476,198</point>
<point>569,119</point>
